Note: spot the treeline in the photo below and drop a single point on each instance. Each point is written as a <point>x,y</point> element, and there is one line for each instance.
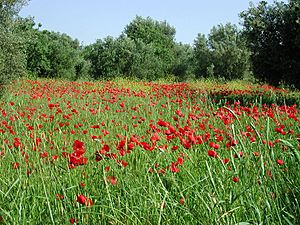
<point>267,48</point>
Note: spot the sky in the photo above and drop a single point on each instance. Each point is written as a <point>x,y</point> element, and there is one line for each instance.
<point>89,20</point>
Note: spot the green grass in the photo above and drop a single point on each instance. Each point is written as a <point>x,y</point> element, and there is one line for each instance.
<point>201,192</point>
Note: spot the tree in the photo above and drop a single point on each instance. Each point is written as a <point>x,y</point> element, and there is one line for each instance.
<point>103,58</point>
<point>51,54</point>
<point>145,50</point>
<point>273,35</point>
<point>202,56</point>
<point>123,57</point>
<point>223,54</point>
<point>182,67</point>
<point>229,53</point>
<point>9,9</point>
<point>12,56</point>
<point>159,34</point>
<point>146,64</point>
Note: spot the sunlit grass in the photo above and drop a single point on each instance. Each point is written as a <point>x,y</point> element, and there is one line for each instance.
<point>156,169</point>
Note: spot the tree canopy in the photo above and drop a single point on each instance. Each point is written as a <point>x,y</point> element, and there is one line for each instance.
<point>12,56</point>
<point>222,54</point>
<point>267,46</point>
<point>159,34</point>
<point>273,36</point>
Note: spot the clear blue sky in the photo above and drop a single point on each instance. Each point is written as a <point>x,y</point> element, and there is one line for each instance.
<point>88,20</point>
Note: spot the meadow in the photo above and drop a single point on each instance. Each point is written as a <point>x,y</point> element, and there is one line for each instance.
<point>122,152</point>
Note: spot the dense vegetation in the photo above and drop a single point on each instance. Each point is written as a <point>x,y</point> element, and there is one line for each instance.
<point>266,48</point>
<point>119,152</point>
<point>12,55</point>
<point>273,36</point>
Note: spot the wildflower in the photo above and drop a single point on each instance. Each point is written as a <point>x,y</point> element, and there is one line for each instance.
<point>59,196</point>
<point>212,153</point>
<point>214,145</point>
<point>180,161</point>
<point>81,199</point>
<point>174,148</point>
<point>44,154</point>
<point>279,162</point>
<point>72,220</point>
<point>225,161</point>
<point>150,170</point>
<point>235,179</point>
<point>15,165</point>
<point>112,180</point>
<point>181,201</point>
<point>173,168</point>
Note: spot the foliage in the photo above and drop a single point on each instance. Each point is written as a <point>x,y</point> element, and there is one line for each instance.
<point>123,57</point>
<point>223,54</point>
<point>51,54</point>
<point>146,153</point>
<point>229,54</point>
<point>9,9</point>
<point>202,56</point>
<point>273,35</point>
<point>146,65</point>
<point>105,58</point>
<point>12,57</point>
<point>159,34</point>
<point>182,67</point>
<point>146,50</point>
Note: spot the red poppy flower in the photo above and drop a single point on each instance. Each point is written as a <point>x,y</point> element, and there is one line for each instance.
<point>59,197</point>
<point>44,154</point>
<point>124,163</point>
<point>225,161</point>
<point>162,123</point>
<point>81,199</point>
<point>112,180</point>
<point>15,165</point>
<point>72,220</point>
<point>180,161</point>
<point>181,201</point>
<point>212,153</point>
<point>214,145</point>
<point>279,162</point>
<point>54,157</point>
<point>76,159</point>
<point>235,179</point>
<point>173,168</point>
<point>77,145</point>
<point>174,148</point>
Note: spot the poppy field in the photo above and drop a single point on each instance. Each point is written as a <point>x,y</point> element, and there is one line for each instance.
<point>148,153</point>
